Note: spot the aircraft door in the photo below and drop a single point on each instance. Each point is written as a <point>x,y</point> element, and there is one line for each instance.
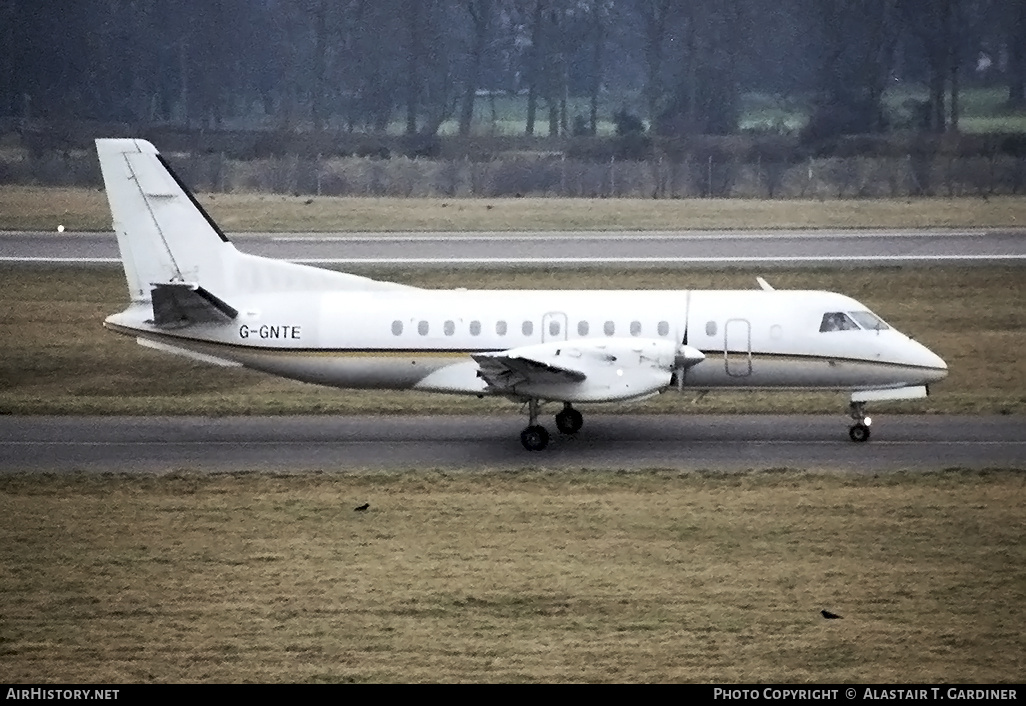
<point>737,347</point>
<point>554,326</point>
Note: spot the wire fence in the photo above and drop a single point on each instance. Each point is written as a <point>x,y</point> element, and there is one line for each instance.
<point>556,175</point>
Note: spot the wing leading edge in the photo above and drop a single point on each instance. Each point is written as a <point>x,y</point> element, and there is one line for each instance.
<point>505,370</point>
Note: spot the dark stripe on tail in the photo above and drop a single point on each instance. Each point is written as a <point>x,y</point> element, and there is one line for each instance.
<point>185,189</point>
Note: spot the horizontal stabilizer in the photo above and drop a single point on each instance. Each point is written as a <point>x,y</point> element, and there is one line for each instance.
<point>177,304</point>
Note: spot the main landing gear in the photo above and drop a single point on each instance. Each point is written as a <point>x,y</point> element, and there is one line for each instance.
<point>859,431</point>
<point>535,437</point>
<point>569,421</point>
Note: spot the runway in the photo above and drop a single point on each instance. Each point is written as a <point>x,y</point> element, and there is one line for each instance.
<point>629,442</point>
<point>469,443</point>
<point>784,248</point>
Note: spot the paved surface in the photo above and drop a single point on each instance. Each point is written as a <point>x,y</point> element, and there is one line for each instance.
<point>638,249</point>
<point>715,442</point>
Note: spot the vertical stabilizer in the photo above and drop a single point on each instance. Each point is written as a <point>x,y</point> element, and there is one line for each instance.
<point>163,233</point>
<point>166,238</point>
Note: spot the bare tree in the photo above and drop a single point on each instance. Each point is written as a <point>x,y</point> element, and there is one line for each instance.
<point>1017,55</point>
<point>656,18</point>
<point>600,11</point>
<point>481,14</point>
<point>857,42</point>
<point>413,12</point>
<point>934,24</point>
<point>534,61</point>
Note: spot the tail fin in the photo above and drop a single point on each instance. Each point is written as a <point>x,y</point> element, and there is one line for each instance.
<point>163,233</point>
<point>166,238</point>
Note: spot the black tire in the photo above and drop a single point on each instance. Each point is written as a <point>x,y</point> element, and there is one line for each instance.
<point>569,421</point>
<point>859,433</point>
<point>534,438</point>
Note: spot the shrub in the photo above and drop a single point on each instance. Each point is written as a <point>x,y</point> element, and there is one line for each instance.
<point>627,123</point>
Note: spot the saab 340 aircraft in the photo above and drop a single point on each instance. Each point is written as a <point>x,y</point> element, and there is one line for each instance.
<point>194,294</point>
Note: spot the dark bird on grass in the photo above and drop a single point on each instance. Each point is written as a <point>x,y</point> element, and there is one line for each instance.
<point>363,507</point>
<point>829,616</point>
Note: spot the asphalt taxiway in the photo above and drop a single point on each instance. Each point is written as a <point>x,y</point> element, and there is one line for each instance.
<point>411,443</point>
<point>778,248</point>
<point>633,441</point>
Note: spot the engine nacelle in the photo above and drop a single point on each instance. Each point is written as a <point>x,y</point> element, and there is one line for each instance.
<point>614,370</point>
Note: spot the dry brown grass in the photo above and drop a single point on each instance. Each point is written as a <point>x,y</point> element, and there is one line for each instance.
<point>524,576</point>
<point>85,209</point>
<point>56,358</point>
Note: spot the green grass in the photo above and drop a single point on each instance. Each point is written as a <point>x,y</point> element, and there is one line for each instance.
<point>982,110</point>
<point>510,116</point>
<point>513,577</point>
<point>55,358</point>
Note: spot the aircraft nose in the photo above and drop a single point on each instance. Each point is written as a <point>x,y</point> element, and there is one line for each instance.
<point>934,366</point>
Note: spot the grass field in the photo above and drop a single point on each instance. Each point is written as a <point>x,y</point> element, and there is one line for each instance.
<point>982,110</point>
<point>37,208</point>
<point>515,576</point>
<point>56,358</point>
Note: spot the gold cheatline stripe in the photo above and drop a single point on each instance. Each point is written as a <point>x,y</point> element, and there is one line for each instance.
<point>712,355</point>
<point>212,347</point>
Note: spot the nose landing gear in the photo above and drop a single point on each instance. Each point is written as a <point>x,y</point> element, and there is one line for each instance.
<point>859,431</point>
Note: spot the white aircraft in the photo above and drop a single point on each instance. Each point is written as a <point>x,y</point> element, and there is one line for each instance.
<point>193,293</point>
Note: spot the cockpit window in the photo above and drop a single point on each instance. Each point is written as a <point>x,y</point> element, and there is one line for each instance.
<point>837,321</point>
<point>869,320</point>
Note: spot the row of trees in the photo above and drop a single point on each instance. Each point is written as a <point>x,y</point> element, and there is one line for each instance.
<point>363,64</point>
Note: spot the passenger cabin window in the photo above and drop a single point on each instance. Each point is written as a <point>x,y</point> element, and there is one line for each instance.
<point>500,328</point>
<point>553,328</point>
<point>869,320</point>
<point>635,328</point>
<point>582,328</point>
<point>710,328</point>
<point>837,321</point>
<point>609,328</point>
<point>475,328</point>
<point>527,328</point>
<point>663,329</point>
<point>449,328</point>
<point>422,328</point>
<point>397,328</point>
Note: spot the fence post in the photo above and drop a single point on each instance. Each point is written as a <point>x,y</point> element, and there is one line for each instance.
<point>317,167</point>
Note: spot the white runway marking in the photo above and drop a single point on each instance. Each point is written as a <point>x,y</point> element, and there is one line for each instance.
<point>778,260</point>
<point>614,236</point>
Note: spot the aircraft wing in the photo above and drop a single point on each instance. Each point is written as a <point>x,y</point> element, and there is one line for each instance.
<point>609,370</point>
<point>177,304</point>
<point>505,369</point>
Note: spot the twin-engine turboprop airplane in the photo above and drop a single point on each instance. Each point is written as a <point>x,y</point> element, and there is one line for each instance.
<point>193,293</point>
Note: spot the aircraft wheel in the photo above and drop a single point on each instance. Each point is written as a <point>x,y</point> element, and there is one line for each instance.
<point>534,438</point>
<point>859,433</point>
<point>569,421</point>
